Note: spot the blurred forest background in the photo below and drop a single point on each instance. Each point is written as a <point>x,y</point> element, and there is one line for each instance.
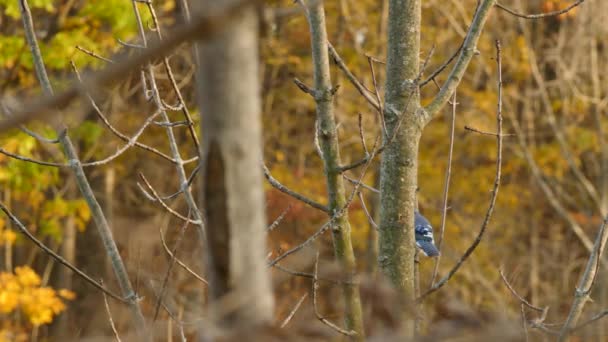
<point>554,189</point>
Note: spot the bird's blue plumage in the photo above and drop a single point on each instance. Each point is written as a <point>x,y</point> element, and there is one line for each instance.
<point>424,236</point>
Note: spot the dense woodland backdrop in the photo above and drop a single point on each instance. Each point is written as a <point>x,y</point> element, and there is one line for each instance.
<point>552,200</point>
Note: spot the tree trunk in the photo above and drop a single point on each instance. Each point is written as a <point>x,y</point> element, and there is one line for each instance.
<point>328,141</point>
<point>399,166</point>
<point>84,186</point>
<point>229,97</point>
<point>61,327</point>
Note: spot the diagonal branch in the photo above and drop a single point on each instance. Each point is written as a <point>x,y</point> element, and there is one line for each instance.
<point>583,290</point>
<point>315,288</point>
<point>58,257</point>
<point>466,54</point>
<point>446,187</point>
<point>202,27</point>
<point>493,197</point>
<point>540,15</point>
<point>282,188</point>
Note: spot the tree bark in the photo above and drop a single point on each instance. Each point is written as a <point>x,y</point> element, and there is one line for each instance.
<point>328,141</point>
<point>399,167</point>
<point>229,98</point>
<point>84,186</point>
<point>583,290</point>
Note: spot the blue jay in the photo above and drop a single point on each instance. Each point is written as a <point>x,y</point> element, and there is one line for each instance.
<point>424,236</point>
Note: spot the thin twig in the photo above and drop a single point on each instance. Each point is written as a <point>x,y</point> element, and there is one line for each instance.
<point>112,129</point>
<point>363,185</point>
<point>178,261</point>
<point>82,181</point>
<point>293,311</point>
<point>521,299</point>
<point>31,160</point>
<point>309,275</point>
<point>157,100</point>
<point>540,15</point>
<point>369,216</point>
<point>315,287</point>
<point>472,129</point>
<point>596,317</point>
<point>156,198</point>
<point>446,187</point>
<point>202,27</point>
<point>57,257</point>
<point>352,78</point>
<point>169,72</point>
<point>277,185</point>
<point>279,219</point>
<point>467,52</point>
<point>173,254</point>
<point>524,322</point>
<point>93,54</point>
<point>107,305</point>
<point>361,135</point>
<point>335,215</point>
<point>442,67</point>
<point>492,204</point>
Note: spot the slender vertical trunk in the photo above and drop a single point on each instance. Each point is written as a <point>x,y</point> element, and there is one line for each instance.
<point>230,102</point>
<point>84,186</point>
<point>328,141</point>
<point>583,290</point>
<point>108,204</point>
<point>61,328</point>
<point>372,237</point>
<point>399,166</point>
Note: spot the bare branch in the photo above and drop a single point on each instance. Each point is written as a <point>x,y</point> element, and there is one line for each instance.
<point>93,54</point>
<point>469,128</point>
<point>178,261</point>
<point>58,257</point>
<point>315,287</point>
<point>352,78</point>
<point>361,135</point>
<point>440,69</point>
<point>521,299</point>
<point>156,198</point>
<point>466,54</point>
<point>334,217</point>
<point>163,287</point>
<point>30,160</point>
<point>277,185</point>
<point>540,15</point>
<point>363,185</point>
<point>278,220</point>
<point>203,26</point>
<point>83,184</point>
<point>490,210</point>
<point>591,320</point>
<point>446,187</point>
<point>583,290</point>
<point>293,311</point>
<point>369,216</point>
<point>107,305</point>
<point>303,87</point>
<point>120,135</point>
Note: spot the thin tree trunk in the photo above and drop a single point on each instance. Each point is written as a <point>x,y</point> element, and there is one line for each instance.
<point>61,328</point>
<point>372,237</point>
<point>328,141</point>
<point>399,166</point>
<point>583,290</point>
<point>108,203</point>
<point>83,184</point>
<point>230,102</point>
